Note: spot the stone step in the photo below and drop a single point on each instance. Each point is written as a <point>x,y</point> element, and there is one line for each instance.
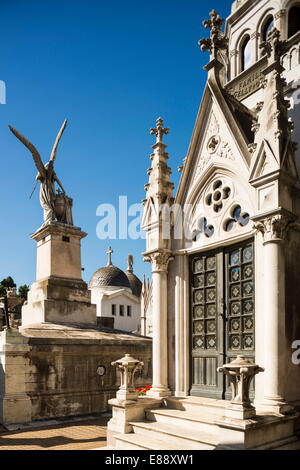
<point>179,436</point>
<point>138,442</point>
<point>183,419</point>
<point>197,405</point>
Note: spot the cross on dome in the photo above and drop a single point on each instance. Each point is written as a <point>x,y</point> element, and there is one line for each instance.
<point>109,253</point>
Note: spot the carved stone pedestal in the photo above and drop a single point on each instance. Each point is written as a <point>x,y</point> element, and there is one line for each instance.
<point>128,406</point>
<point>241,371</point>
<point>59,293</point>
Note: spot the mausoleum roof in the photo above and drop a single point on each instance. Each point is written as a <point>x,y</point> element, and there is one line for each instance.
<point>135,284</point>
<point>109,276</point>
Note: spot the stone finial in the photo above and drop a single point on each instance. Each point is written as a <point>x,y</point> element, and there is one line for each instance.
<point>130,264</point>
<point>274,48</point>
<point>159,130</point>
<point>127,366</point>
<point>109,253</point>
<point>241,371</point>
<point>217,40</point>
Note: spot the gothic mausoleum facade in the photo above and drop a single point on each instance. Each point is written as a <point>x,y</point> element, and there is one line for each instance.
<point>225,249</point>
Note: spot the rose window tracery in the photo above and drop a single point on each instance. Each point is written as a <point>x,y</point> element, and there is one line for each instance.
<point>237,217</point>
<point>204,228</point>
<point>215,199</point>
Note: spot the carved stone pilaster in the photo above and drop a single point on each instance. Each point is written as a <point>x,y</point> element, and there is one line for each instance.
<point>274,228</point>
<point>159,260</point>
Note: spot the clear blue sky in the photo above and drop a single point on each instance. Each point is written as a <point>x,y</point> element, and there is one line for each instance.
<point>111,68</point>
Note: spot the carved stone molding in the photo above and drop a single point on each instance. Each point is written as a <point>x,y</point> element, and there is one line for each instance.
<point>274,228</point>
<point>159,260</point>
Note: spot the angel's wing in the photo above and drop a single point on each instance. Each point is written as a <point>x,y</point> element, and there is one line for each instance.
<point>59,135</point>
<point>35,154</point>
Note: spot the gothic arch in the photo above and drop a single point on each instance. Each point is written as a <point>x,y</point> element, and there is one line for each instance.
<point>243,40</point>
<point>293,18</point>
<point>267,24</point>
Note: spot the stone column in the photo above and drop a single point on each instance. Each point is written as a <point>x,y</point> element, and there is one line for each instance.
<point>255,37</point>
<point>160,262</point>
<point>274,230</point>
<point>181,355</point>
<point>234,63</point>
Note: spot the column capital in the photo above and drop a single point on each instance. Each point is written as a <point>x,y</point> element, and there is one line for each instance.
<point>274,227</point>
<point>160,260</point>
<point>280,13</point>
<point>233,53</point>
<point>255,35</point>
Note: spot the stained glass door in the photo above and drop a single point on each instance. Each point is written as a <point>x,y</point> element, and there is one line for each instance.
<point>222,315</point>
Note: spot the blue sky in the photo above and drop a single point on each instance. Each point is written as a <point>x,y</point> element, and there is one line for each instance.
<point>111,68</point>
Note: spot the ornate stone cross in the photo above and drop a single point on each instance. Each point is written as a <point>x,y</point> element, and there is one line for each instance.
<point>217,40</point>
<point>159,131</point>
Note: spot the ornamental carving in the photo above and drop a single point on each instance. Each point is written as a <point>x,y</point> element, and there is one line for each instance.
<point>274,228</point>
<point>215,146</point>
<point>159,260</point>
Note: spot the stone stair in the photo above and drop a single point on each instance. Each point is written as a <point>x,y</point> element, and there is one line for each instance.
<point>180,424</point>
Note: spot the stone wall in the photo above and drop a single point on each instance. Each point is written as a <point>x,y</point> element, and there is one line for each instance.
<point>50,371</point>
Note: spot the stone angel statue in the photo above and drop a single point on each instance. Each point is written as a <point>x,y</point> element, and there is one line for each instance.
<point>56,204</point>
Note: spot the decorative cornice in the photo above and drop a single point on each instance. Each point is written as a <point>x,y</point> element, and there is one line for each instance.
<point>159,260</point>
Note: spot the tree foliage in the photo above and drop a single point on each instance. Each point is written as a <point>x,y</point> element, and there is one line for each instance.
<point>23,291</point>
<point>8,282</point>
<point>2,291</point>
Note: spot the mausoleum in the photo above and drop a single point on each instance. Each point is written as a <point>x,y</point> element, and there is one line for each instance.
<point>224,249</point>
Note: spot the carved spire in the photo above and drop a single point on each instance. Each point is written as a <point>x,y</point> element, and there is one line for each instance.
<point>273,127</point>
<point>159,187</point>
<point>217,40</point>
